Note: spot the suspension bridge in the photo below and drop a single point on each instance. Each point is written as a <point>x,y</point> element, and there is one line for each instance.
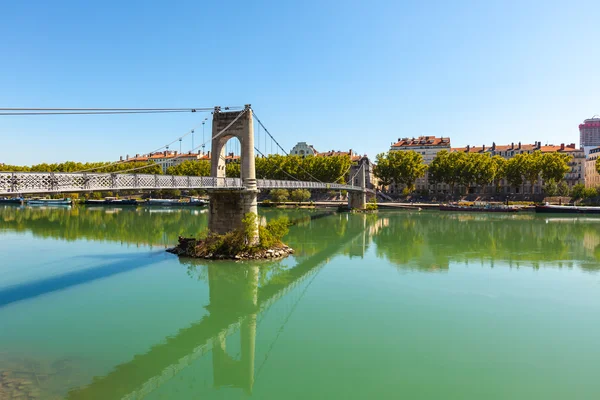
<point>230,198</point>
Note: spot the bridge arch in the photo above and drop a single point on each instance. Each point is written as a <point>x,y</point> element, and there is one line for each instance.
<point>239,125</point>
<point>228,206</point>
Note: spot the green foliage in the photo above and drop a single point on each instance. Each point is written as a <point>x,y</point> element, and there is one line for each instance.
<point>400,167</point>
<point>578,191</point>
<point>447,168</point>
<point>190,168</point>
<point>71,166</point>
<point>326,169</point>
<point>481,169</point>
<point>278,227</point>
<point>233,170</point>
<point>499,169</point>
<point>554,166</point>
<point>465,169</point>
<point>300,195</point>
<point>590,193</point>
<point>231,243</point>
<point>279,195</point>
<point>515,170</point>
<point>371,205</point>
<point>562,189</point>
<point>550,189</point>
<point>249,226</point>
<point>271,234</point>
<point>532,166</point>
<point>165,194</point>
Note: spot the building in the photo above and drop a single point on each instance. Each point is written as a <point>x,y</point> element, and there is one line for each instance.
<point>574,176</point>
<point>371,182</point>
<point>332,153</point>
<point>592,177</point>
<point>168,159</point>
<point>165,158</point>
<point>589,134</point>
<point>303,149</point>
<point>428,147</point>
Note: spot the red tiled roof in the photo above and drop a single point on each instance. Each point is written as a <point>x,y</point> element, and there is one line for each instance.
<point>334,153</point>
<point>515,147</point>
<point>423,141</point>
<point>549,148</point>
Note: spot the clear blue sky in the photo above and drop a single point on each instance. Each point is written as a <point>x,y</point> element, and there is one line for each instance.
<point>338,75</point>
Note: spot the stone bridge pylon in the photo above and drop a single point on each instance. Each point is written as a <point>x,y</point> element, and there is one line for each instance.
<point>228,206</point>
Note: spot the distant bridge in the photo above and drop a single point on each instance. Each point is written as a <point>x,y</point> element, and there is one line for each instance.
<point>12,183</point>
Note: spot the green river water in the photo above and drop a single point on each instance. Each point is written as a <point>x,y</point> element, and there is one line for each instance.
<point>397,305</point>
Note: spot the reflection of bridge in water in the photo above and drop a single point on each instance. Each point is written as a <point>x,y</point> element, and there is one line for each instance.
<point>236,302</point>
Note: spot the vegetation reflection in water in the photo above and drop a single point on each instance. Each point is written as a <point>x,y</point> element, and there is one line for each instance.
<point>241,293</point>
<point>425,240</point>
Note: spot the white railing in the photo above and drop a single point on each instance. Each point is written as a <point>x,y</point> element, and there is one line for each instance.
<point>276,184</point>
<point>58,182</point>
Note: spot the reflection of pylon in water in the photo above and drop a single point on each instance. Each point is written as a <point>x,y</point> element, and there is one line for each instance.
<point>236,293</point>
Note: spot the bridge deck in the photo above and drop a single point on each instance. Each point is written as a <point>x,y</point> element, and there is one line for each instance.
<point>58,182</point>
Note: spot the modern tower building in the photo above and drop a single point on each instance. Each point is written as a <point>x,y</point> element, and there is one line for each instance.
<point>589,134</point>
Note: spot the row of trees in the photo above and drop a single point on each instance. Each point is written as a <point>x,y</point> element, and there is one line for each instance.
<point>326,169</point>
<point>97,167</point>
<point>282,195</point>
<point>481,169</point>
<point>466,169</point>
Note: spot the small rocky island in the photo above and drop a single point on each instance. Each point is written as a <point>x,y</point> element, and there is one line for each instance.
<point>242,244</point>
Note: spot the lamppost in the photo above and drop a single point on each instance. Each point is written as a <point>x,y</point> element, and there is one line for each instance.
<point>180,139</point>
<point>192,140</point>
<point>203,122</point>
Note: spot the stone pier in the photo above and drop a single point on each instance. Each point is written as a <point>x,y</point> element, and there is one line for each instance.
<point>358,199</point>
<point>229,206</point>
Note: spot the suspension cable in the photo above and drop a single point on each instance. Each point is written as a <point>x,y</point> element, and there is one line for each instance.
<point>268,353</point>
<point>278,166</point>
<point>100,111</point>
<point>197,147</point>
<point>282,149</point>
<point>154,151</point>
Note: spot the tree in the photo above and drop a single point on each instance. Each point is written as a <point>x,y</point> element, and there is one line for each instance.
<point>279,195</point>
<point>190,168</point>
<point>515,169</point>
<point>578,191</point>
<point>447,168</point>
<point>300,195</point>
<point>97,167</point>
<point>550,188</point>
<point>532,166</point>
<point>562,189</point>
<point>402,167</point>
<point>554,166</point>
<point>233,170</point>
<point>482,168</point>
<point>499,170</point>
<point>383,170</point>
<point>311,168</point>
